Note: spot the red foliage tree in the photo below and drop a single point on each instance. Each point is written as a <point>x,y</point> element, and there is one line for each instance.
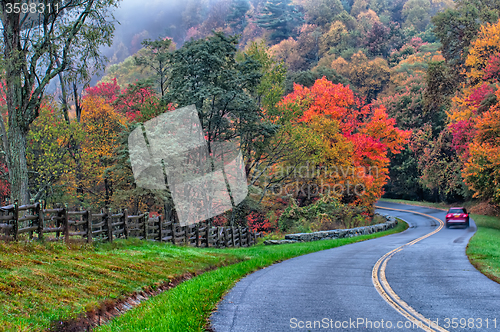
<point>109,91</point>
<point>358,137</point>
<point>259,223</point>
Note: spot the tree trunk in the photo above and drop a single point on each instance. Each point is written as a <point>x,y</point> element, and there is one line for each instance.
<point>18,167</point>
<point>18,96</point>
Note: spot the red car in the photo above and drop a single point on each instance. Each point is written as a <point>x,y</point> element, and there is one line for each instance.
<point>457,216</point>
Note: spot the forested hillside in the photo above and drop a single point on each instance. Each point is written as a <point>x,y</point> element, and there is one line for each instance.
<point>334,102</point>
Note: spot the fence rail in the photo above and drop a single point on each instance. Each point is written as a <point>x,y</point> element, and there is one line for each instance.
<point>40,223</point>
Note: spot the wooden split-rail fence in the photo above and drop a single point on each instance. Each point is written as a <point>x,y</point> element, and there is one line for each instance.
<point>35,222</point>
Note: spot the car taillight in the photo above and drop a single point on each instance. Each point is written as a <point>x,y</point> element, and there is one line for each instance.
<point>449,215</point>
<point>464,215</point>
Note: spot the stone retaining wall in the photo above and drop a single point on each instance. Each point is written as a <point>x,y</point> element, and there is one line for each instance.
<point>336,233</point>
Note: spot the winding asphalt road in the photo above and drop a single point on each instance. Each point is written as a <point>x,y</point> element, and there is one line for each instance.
<point>402,282</point>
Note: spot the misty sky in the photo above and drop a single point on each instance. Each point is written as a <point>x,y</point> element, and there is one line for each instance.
<point>147,18</point>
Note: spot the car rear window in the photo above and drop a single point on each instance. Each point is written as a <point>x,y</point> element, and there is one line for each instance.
<point>456,211</point>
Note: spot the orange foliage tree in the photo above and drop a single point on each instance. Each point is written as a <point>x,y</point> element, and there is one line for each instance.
<point>353,140</point>
<point>474,116</point>
<point>101,126</point>
<point>482,169</point>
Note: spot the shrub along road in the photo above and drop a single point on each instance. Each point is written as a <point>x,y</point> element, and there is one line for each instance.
<point>422,275</point>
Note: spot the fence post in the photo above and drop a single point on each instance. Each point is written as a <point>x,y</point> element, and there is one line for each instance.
<point>197,234</point>
<point>89,226</point>
<point>221,237</point>
<point>234,236</point>
<point>207,235</point>
<point>65,223</point>
<point>242,235</point>
<point>39,211</point>
<point>15,227</point>
<point>174,232</point>
<point>125,223</point>
<point>230,241</point>
<point>160,228</point>
<point>146,222</point>
<point>239,236</point>
<point>186,235</point>
<point>108,222</point>
<point>172,227</point>
<point>58,219</point>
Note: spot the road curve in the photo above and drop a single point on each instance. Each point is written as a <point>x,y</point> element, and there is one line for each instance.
<point>336,289</point>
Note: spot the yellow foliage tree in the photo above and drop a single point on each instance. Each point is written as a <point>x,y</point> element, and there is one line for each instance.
<point>288,51</point>
<point>366,20</point>
<point>482,49</point>
<point>369,76</point>
<point>101,125</point>
<point>358,7</point>
<point>334,36</point>
<point>467,101</point>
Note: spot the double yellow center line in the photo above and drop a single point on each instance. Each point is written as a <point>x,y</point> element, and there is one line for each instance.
<point>380,281</point>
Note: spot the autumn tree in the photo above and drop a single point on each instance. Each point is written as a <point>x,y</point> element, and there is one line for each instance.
<point>417,14</point>
<point>307,78</point>
<point>337,34</point>
<point>109,91</point>
<point>366,20</point>
<point>272,84</point>
<point>34,54</point>
<point>473,117</point>
<point>358,7</point>
<point>482,169</point>
<point>49,155</point>
<point>301,52</point>
<point>127,72</point>
<point>101,125</point>
<point>376,38</point>
<point>441,86</point>
<point>138,103</point>
<point>482,55</point>
<point>288,51</point>
<point>440,166</point>
<point>406,170</point>
<point>322,12</point>
<point>348,135</point>
<point>478,94</point>
<point>457,27</point>
<point>369,76</point>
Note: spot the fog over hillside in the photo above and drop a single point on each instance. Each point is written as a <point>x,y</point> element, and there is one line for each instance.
<point>139,20</point>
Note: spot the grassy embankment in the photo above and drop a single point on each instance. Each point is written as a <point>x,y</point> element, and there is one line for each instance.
<point>43,283</point>
<point>188,306</point>
<point>483,249</point>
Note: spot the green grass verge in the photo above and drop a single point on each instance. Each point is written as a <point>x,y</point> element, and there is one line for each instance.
<point>41,283</point>
<point>188,306</point>
<point>483,249</point>
<point>417,203</point>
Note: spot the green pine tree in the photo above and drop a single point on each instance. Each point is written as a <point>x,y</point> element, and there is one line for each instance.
<point>237,18</point>
<point>280,16</point>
